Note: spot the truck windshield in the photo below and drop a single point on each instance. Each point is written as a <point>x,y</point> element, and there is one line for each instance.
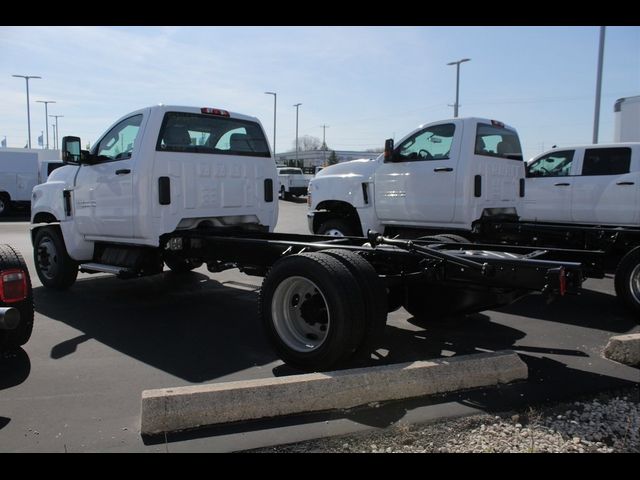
<point>195,133</point>
<point>494,141</point>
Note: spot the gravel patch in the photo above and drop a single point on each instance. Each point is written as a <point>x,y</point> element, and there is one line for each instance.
<point>606,423</point>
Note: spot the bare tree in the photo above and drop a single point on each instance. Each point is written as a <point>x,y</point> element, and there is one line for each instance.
<point>307,142</point>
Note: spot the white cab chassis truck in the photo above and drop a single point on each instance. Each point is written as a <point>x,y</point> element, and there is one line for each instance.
<point>186,186</point>
<point>465,179</point>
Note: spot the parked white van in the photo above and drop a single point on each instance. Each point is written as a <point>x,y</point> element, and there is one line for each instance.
<point>588,184</point>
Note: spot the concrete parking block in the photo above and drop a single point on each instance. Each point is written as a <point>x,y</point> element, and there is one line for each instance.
<point>624,349</point>
<point>182,408</point>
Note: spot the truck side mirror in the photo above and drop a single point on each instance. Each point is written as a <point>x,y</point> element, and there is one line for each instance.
<point>71,150</point>
<point>388,150</point>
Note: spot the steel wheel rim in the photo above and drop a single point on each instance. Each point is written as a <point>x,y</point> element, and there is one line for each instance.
<point>634,283</point>
<point>48,258</point>
<point>295,299</point>
<point>2,205</point>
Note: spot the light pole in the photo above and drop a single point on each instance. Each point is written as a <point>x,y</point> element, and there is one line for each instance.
<point>27,77</point>
<point>297,105</point>
<point>457,64</point>
<point>274,122</point>
<point>596,115</point>
<point>57,129</point>
<point>46,116</point>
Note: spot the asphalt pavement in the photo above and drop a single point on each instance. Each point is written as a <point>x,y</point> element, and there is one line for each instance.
<point>76,385</point>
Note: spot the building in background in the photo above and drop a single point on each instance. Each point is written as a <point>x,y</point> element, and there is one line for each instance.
<point>312,159</point>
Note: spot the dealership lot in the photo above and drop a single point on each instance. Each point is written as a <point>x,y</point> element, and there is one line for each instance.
<point>76,385</point>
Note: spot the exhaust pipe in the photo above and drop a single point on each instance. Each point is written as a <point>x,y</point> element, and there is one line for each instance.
<point>9,318</point>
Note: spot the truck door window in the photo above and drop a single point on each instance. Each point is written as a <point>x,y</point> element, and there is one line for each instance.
<point>201,133</point>
<point>117,144</point>
<point>496,141</point>
<point>433,143</point>
<point>606,161</point>
<point>556,164</point>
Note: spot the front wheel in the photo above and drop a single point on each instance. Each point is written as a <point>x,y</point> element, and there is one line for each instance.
<point>55,268</point>
<point>4,205</point>
<point>627,280</point>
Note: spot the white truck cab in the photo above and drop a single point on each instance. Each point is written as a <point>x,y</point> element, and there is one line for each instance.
<point>154,171</point>
<point>443,175</point>
<point>585,184</point>
<point>292,181</point>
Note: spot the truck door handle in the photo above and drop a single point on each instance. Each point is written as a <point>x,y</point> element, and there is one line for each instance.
<point>123,171</point>
<point>443,169</point>
<point>625,183</point>
<point>561,184</point>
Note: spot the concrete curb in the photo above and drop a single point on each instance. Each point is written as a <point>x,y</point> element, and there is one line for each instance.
<point>181,408</point>
<point>624,349</point>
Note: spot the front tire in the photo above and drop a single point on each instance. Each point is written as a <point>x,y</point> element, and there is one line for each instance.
<point>310,322</point>
<point>55,268</point>
<point>5,205</point>
<point>627,280</point>
<point>12,339</point>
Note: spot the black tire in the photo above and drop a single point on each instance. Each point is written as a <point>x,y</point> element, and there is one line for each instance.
<point>374,296</point>
<point>181,265</point>
<point>12,339</point>
<point>627,280</point>
<point>55,268</point>
<point>342,315</point>
<point>5,204</point>
<point>337,227</point>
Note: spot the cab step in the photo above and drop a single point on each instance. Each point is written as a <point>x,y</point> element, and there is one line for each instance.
<point>119,271</point>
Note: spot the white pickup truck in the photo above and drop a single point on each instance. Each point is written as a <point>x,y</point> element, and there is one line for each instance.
<point>443,176</point>
<point>187,186</point>
<point>585,184</point>
<point>292,181</point>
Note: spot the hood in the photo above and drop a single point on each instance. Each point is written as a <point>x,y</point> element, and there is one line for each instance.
<point>362,167</point>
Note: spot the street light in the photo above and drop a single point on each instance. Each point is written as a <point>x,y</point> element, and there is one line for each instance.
<point>46,115</point>
<point>274,122</point>
<point>297,105</point>
<point>57,132</point>
<point>27,77</point>
<point>457,64</point>
<point>324,145</point>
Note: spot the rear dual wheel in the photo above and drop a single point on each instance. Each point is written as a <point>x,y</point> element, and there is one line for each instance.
<point>317,308</point>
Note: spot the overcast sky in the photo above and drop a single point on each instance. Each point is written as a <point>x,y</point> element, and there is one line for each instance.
<point>366,83</point>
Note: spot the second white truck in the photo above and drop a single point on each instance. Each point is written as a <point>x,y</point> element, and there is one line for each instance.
<point>444,175</point>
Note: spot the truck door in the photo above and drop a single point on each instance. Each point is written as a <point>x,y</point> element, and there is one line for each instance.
<point>419,185</point>
<point>606,191</point>
<point>548,189</point>
<point>103,193</point>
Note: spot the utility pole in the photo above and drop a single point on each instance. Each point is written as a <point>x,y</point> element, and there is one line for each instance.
<point>297,105</point>
<point>324,145</point>
<point>27,77</point>
<point>457,64</point>
<point>57,129</point>
<point>46,116</point>
<point>596,115</point>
